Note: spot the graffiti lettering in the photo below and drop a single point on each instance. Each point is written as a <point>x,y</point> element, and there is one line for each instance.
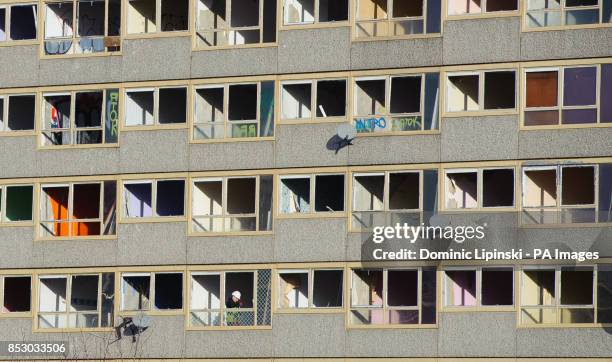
<point>370,124</point>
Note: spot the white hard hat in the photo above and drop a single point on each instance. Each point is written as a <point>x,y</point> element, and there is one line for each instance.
<point>236,294</point>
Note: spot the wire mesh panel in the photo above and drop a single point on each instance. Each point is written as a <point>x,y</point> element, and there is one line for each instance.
<point>264,297</point>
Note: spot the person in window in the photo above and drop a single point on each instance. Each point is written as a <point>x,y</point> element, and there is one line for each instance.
<point>233,302</point>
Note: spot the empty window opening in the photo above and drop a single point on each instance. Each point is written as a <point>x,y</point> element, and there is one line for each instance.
<point>52,300</point>
<point>333,10</point>
<point>23,24</point>
<point>331,98</point>
<point>578,185</point>
<point>368,192</point>
<point>407,8</point>
<point>404,191</point>
<point>17,203</point>
<point>17,294</point>
<point>209,113</point>
<point>327,288</point>
<point>497,286</point>
<point>138,199</point>
<point>205,303</point>
<point>461,190</point>
<point>3,35</point>
<point>605,193</point>
<point>83,311</point>
<point>174,15</point>
<point>406,94</point>
<point>293,289</point>
<point>370,97</point>
<point>501,5</point>
<point>90,18</point>
<point>538,290</point>
<point>372,9</point>
<point>168,291</point>
<point>329,193</point>
<point>499,90</point>
<point>172,105</point>
<point>297,100</point>
<point>241,195</point>
<point>242,102</point>
<point>139,108</point>
<point>58,20</point>
<point>374,18</point>
<point>460,288</point>
<point>20,112</point>
<point>605,94</point>
<point>457,7</point>
<point>88,117</point>
<point>540,188</point>
<point>299,11</point>
<point>170,198</point>
<point>135,292</point>
<point>402,288</point>
<point>208,206</point>
<point>542,95</point>
<point>604,293</point>
<point>57,120</point>
<point>462,93</point>
<point>295,194</point>
<point>498,187</point>
<point>367,289</point>
<point>242,282</point>
<point>141,16</point>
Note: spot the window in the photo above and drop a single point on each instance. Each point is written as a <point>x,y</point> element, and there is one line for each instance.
<point>388,198</point>
<point>165,289</point>
<point>77,209</point>
<point>235,22</point>
<point>305,100</point>
<point>463,7</point>
<point>17,112</point>
<point>97,25</point>
<point>232,204</point>
<point>313,288</point>
<point>550,13</point>
<point>80,118</point>
<point>18,22</point>
<point>15,294</point>
<point>410,103</point>
<point>155,106</point>
<point>145,16</point>
<point>393,296</point>
<point>604,293</point>
<point>157,198</point>
<point>568,96</point>
<point>76,301</point>
<point>558,295</point>
<point>479,188</point>
<point>314,11</point>
<point>559,194</point>
<point>230,298</point>
<point>379,18</point>
<point>234,111</point>
<point>16,202</point>
<point>327,192</point>
<point>478,91</point>
<point>478,286</point>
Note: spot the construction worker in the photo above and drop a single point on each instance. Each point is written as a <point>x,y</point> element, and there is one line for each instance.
<point>234,301</point>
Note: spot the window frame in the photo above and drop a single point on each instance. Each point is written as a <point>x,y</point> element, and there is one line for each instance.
<point>156,124</point>
<point>483,13</point>
<point>8,7</point>
<point>154,216</point>
<point>313,197</point>
<point>389,20</point>
<point>3,204</point>
<point>151,310</point>
<point>562,10</point>
<point>478,269</point>
<point>313,101</point>
<point>311,308</point>
<point>126,34</point>
<point>316,18</point>
<point>27,314</point>
<point>6,99</point>
<point>479,189</point>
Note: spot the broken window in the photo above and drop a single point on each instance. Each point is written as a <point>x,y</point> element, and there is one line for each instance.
<point>605,192</point>
<point>462,7</point>
<point>168,291</point>
<point>229,299</point>
<point>97,27</point>
<point>234,111</point>
<point>17,112</point>
<point>297,100</point>
<point>77,209</point>
<point>460,288</point>
<point>15,293</point>
<point>18,22</point>
<point>314,11</point>
<point>558,295</point>
<point>293,289</point>
<point>75,301</point>
<point>486,90</point>
<point>155,106</point>
<point>542,13</point>
<point>77,118</point>
<point>165,289</point>
<point>473,188</point>
<point>392,296</point>
<point>479,286</point>
<point>157,198</point>
<point>299,193</point>
<point>327,288</point>
<point>497,286</point>
<point>409,104</point>
<point>319,288</point>
<point>145,16</point>
<point>16,202</point>
<point>559,194</point>
<point>378,18</point>
<point>498,187</point>
<point>135,291</point>
<point>231,204</point>
<point>235,22</point>
<point>461,189</point>
<point>604,293</point>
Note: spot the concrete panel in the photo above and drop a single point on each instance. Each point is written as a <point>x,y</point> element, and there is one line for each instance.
<point>24,57</point>
<point>566,44</point>
<point>84,70</point>
<point>583,142</point>
<point>152,243</point>
<point>229,344</point>
<point>231,62</point>
<point>566,239</point>
<point>300,240</point>
<point>165,338</point>
<point>314,50</point>
<point>564,342</point>
<point>160,58</point>
<point>82,161</point>
<point>354,246</point>
<point>305,145</point>
<point>309,335</point>
<point>76,253</point>
<point>22,149</point>
<point>395,149</point>
<point>17,247</point>
<point>496,40</point>
<point>391,342</point>
<point>230,249</point>
<point>489,334</point>
<point>479,138</point>
<point>154,151</point>
<point>396,53</point>
<point>231,155</point>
